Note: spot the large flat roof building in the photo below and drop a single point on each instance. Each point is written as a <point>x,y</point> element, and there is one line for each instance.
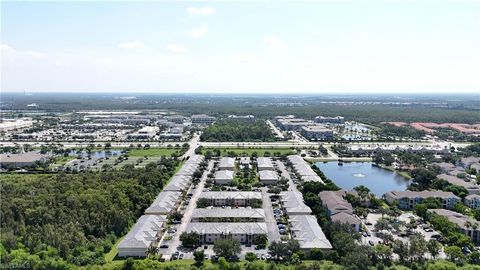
<point>20,160</point>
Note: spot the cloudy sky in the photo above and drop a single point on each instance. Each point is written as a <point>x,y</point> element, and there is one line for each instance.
<point>249,47</point>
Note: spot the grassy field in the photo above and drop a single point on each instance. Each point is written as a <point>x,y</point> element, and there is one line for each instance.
<point>151,152</point>
<point>249,151</point>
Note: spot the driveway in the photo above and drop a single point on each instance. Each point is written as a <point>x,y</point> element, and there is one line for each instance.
<point>175,242</point>
<point>273,234</point>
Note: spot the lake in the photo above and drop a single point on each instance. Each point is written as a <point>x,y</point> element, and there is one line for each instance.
<point>378,180</point>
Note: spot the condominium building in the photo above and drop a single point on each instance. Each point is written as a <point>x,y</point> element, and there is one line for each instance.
<point>231,198</point>
<point>244,232</point>
<point>408,199</point>
<point>472,201</point>
<point>308,233</point>
<point>218,214</point>
<point>268,177</point>
<point>468,226</point>
<point>143,234</point>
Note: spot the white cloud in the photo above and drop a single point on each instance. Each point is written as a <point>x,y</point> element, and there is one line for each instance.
<point>176,48</point>
<point>7,48</point>
<point>273,43</point>
<point>36,54</point>
<point>203,11</point>
<point>131,45</point>
<point>198,32</point>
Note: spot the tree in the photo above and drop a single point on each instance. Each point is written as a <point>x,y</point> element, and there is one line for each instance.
<point>198,256</point>
<point>250,256</point>
<point>276,250</point>
<point>423,177</point>
<point>227,248</point>
<point>454,254</point>
<point>433,247</point>
<point>417,247</point>
<point>190,240</point>
<point>261,241</point>
<point>384,252</point>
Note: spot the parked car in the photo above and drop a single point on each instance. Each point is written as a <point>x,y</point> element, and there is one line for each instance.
<point>164,246</point>
<point>371,243</point>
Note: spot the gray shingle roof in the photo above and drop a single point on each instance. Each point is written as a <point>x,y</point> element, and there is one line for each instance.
<point>144,232</point>
<point>308,233</point>
<point>227,228</point>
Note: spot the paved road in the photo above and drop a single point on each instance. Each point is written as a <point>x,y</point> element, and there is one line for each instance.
<point>236,144</point>
<point>291,184</point>
<point>175,242</point>
<point>275,129</point>
<point>273,234</point>
<point>192,145</point>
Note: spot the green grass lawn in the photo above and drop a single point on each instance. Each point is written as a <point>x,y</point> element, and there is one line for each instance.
<point>151,152</point>
<point>249,151</point>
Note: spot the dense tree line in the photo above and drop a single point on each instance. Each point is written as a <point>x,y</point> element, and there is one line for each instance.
<point>237,131</point>
<point>461,110</point>
<point>391,131</point>
<point>74,218</point>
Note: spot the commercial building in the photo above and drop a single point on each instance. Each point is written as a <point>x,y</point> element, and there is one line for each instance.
<point>308,233</point>
<point>264,163</point>
<point>223,177</point>
<point>337,120</point>
<point>145,133</point>
<point>218,214</point>
<point>468,226</point>
<point>268,177</point>
<point>21,160</point>
<point>202,119</point>
<point>227,163</point>
<point>472,201</point>
<point>293,204</point>
<point>14,124</point>
<point>316,132</point>
<point>245,233</point>
<point>292,124</point>
<point>165,203</point>
<point>231,198</point>
<point>144,233</point>
<point>408,199</point>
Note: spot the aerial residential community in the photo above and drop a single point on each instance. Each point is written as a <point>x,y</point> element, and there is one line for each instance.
<point>240,135</point>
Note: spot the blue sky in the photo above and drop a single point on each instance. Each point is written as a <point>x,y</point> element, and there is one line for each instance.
<point>250,47</point>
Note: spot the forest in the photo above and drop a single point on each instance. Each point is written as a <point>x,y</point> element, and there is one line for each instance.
<point>56,221</point>
<point>370,109</point>
<point>228,130</point>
